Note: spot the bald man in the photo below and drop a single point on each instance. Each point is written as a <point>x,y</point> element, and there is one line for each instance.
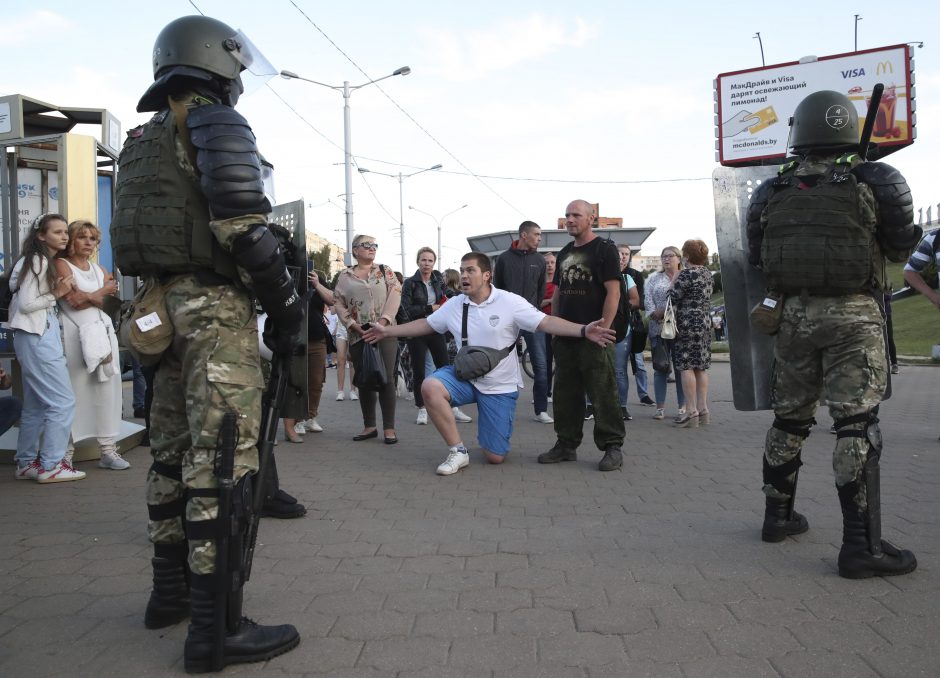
<point>591,292</point>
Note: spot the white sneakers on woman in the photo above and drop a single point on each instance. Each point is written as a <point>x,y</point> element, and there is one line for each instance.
<point>310,426</point>
<point>113,461</point>
<point>60,473</point>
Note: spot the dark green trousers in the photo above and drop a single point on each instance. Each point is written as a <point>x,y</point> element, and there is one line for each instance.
<point>581,366</point>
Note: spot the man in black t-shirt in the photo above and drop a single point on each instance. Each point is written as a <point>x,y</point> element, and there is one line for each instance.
<point>587,279</point>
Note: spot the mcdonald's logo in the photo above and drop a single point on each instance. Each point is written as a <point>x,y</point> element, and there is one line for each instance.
<point>884,67</point>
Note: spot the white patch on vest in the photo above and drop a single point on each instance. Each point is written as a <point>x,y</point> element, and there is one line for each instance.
<point>151,321</point>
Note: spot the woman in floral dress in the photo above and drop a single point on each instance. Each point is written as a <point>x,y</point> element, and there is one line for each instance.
<point>692,350</point>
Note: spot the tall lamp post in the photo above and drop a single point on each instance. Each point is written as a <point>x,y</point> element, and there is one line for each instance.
<point>347,91</point>
<point>438,222</point>
<point>401,202</point>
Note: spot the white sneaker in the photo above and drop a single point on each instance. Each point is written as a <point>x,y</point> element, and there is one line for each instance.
<point>544,418</point>
<point>422,416</point>
<point>61,473</point>
<point>312,426</point>
<point>461,417</point>
<point>113,461</point>
<point>299,428</point>
<point>455,461</point>
<point>29,472</point>
<point>340,395</point>
<point>679,416</point>
<point>354,395</point>
<point>549,399</point>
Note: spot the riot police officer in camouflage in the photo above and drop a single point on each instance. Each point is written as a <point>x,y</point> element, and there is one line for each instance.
<point>190,217</point>
<point>820,232</point>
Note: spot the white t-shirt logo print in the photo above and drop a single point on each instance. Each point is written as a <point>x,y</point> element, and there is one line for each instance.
<point>494,320</point>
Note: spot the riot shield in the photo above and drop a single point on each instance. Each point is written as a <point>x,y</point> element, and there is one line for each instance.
<point>752,353</point>
<point>291,216</point>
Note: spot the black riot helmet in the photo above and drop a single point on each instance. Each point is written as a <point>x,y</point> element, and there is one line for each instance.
<point>198,52</point>
<point>824,120</point>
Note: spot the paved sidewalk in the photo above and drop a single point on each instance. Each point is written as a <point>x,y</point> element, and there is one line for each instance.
<point>514,571</point>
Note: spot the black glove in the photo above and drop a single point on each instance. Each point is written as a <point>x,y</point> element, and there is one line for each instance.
<point>281,341</point>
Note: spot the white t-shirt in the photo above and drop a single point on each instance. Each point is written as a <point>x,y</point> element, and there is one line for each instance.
<point>495,323</point>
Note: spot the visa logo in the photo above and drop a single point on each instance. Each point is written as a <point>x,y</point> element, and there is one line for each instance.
<point>853,73</point>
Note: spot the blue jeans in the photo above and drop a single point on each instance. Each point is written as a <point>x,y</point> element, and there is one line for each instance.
<point>659,378</point>
<point>535,344</point>
<point>48,401</point>
<point>622,369</point>
<point>639,375</point>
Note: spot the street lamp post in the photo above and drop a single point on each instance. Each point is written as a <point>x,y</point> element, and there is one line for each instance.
<point>438,222</point>
<point>347,143</point>
<point>401,202</point>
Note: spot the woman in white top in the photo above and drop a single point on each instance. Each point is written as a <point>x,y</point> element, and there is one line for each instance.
<point>48,402</point>
<point>97,387</point>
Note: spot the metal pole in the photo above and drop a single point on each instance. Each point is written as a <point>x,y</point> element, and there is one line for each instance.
<point>761,43</point>
<point>438,262</point>
<point>857,19</point>
<point>401,219</point>
<point>347,143</point>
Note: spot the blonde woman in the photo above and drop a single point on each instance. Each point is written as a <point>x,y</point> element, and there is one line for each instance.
<point>98,394</point>
<point>657,293</point>
<point>367,294</point>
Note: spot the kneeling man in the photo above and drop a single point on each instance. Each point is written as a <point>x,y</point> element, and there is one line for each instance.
<point>494,319</point>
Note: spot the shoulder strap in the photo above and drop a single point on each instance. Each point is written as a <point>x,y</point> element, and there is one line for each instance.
<point>463,325</point>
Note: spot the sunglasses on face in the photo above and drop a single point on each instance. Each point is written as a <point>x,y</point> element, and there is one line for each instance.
<point>368,245</point>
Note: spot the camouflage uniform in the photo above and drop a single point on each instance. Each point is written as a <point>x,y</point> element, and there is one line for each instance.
<point>829,348</point>
<point>212,367</point>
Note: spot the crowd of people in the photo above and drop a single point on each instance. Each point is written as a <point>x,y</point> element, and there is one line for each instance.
<point>371,309</point>
<point>68,349</point>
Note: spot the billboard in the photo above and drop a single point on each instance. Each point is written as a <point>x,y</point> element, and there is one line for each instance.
<point>753,107</point>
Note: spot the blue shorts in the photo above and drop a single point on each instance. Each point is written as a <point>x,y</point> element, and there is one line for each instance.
<point>496,412</point>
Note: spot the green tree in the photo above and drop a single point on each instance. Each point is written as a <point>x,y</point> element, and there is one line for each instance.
<point>321,260</point>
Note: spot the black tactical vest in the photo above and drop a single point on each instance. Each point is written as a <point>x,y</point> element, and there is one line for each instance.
<point>816,240</point>
<point>161,221</point>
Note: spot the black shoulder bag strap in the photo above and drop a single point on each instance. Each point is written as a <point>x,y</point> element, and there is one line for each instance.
<point>463,325</point>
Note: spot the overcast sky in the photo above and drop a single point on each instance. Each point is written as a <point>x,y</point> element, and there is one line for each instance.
<point>567,100</point>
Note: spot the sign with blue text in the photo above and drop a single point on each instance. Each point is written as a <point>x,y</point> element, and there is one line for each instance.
<point>753,107</point>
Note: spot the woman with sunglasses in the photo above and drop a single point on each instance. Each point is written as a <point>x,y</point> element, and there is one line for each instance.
<point>657,293</point>
<point>366,294</point>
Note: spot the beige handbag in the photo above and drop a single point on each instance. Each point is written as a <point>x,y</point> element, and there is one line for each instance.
<point>669,321</point>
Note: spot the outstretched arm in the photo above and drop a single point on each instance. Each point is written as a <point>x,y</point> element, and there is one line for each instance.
<point>416,328</point>
<point>595,331</point>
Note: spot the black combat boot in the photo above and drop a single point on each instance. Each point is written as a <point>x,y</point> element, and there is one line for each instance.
<point>781,521</point>
<point>249,642</point>
<point>864,553</point>
<point>282,505</point>
<point>277,502</point>
<point>169,599</point>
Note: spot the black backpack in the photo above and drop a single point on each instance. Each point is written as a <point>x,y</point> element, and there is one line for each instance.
<point>622,318</point>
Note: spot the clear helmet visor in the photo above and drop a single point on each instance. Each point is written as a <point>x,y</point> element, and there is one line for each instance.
<point>257,69</point>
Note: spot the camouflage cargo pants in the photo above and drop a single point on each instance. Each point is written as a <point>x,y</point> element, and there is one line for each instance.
<point>829,348</point>
<point>213,367</point>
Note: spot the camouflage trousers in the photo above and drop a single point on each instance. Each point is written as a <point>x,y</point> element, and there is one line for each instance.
<point>212,367</point>
<point>829,348</point>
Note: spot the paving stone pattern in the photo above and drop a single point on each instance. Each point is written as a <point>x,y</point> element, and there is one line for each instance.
<point>517,571</point>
